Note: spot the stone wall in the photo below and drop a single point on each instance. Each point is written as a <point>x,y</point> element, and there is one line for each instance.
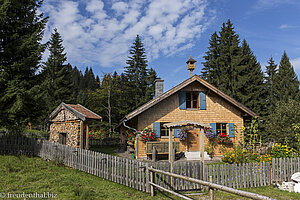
<point>217,110</point>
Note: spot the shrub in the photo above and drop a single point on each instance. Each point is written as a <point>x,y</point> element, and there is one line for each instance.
<point>239,155</point>
<point>97,135</point>
<point>282,151</point>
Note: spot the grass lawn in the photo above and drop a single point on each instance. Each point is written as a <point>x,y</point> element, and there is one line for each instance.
<point>108,150</point>
<point>20,174</point>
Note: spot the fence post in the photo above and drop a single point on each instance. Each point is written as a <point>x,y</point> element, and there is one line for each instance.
<point>147,178</point>
<point>152,181</point>
<point>211,190</point>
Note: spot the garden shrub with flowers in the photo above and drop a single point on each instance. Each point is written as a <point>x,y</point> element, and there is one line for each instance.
<point>282,151</point>
<point>147,135</point>
<point>224,139</point>
<point>239,155</point>
<point>96,135</point>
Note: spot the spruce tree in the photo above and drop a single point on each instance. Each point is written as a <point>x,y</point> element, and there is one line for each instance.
<point>58,75</point>
<point>222,60</point>
<point>211,70</point>
<point>287,81</point>
<point>150,91</point>
<point>21,32</point>
<point>136,75</point>
<point>250,81</point>
<point>230,58</point>
<point>270,83</point>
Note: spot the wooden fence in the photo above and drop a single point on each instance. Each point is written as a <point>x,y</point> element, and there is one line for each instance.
<point>284,168</point>
<point>133,173</point>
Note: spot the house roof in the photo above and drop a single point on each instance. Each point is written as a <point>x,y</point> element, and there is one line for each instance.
<point>180,86</point>
<point>78,110</point>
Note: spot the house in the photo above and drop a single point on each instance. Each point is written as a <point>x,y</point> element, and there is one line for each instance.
<point>192,100</point>
<point>69,124</point>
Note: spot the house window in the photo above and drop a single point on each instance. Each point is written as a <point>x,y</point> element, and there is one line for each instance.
<point>221,128</point>
<point>164,130</point>
<point>192,99</point>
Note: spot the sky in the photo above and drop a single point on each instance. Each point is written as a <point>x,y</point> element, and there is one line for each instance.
<point>99,33</point>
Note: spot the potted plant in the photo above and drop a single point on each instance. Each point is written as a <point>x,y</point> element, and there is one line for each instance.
<point>147,135</point>
<point>223,138</point>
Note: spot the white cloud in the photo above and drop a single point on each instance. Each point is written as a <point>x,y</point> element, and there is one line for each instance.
<point>286,26</point>
<point>97,32</point>
<point>296,63</point>
<point>264,4</point>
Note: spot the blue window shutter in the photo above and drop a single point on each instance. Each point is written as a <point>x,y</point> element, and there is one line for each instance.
<point>214,128</point>
<point>156,128</point>
<point>182,104</point>
<point>202,100</point>
<point>231,129</point>
<point>176,131</point>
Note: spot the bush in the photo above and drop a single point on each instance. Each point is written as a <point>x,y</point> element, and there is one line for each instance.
<point>282,151</point>
<point>239,155</point>
<point>279,124</point>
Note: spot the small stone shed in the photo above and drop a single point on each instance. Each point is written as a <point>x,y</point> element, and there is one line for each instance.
<point>69,124</point>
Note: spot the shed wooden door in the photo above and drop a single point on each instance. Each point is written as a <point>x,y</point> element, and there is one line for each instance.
<point>193,141</point>
<point>62,138</point>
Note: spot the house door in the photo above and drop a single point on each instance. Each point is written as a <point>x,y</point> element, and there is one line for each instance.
<point>62,138</point>
<point>194,140</point>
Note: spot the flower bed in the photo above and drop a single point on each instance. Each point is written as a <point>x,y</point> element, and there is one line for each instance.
<point>96,135</point>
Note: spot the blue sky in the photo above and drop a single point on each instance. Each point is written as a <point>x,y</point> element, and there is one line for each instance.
<point>99,33</point>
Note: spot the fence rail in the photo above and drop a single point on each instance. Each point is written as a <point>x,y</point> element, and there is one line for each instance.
<point>201,182</point>
<point>133,173</point>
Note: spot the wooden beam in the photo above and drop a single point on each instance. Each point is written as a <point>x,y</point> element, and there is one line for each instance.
<point>170,191</point>
<point>213,185</point>
<point>202,149</point>
<point>81,134</point>
<point>87,135</point>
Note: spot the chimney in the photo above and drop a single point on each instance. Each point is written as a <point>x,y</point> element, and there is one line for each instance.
<point>159,87</point>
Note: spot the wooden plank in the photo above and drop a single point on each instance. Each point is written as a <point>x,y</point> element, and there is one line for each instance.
<point>222,175</point>
<point>288,170</point>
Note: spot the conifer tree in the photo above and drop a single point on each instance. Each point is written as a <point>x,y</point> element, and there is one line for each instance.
<point>152,76</point>
<point>136,75</point>
<point>271,97</point>
<point>21,31</point>
<point>250,81</point>
<point>230,58</point>
<point>287,81</point>
<point>222,60</point>
<point>58,75</point>
<point>211,71</point>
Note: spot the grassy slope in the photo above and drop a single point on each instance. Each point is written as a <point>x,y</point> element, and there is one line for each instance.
<point>29,175</point>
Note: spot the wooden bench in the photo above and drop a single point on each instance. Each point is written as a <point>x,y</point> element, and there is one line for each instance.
<point>161,147</point>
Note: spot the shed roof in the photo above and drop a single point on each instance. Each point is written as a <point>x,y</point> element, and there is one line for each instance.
<point>180,86</point>
<point>78,110</point>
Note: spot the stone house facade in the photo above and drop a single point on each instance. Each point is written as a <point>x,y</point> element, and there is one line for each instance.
<point>196,100</point>
<point>69,125</point>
